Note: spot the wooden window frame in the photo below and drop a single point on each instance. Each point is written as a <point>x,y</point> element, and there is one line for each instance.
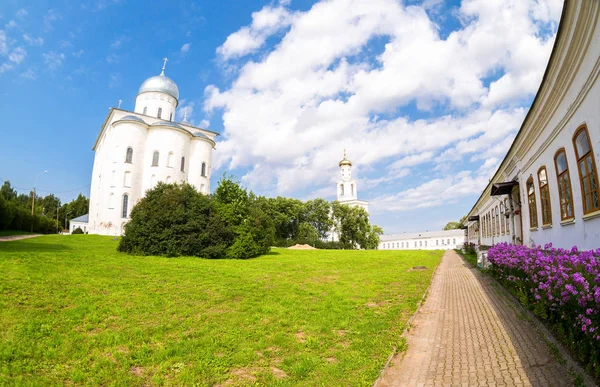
<point>569,188</point>
<point>594,172</point>
<point>545,199</point>
<point>533,220</point>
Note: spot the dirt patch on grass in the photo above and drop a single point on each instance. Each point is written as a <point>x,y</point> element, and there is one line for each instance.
<point>240,376</point>
<point>278,373</point>
<point>137,371</point>
<point>302,247</point>
<point>301,337</point>
<point>17,237</point>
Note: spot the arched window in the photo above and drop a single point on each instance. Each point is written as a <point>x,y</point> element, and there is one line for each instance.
<point>502,218</point>
<point>342,189</point>
<point>125,204</point>
<point>145,110</point>
<point>203,171</point>
<point>545,197</point>
<point>171,117</point>
<point>506,216</point>
<point>127,179</point>
<point>497,222</point>
<point>170,160</point>
<point>183,164</point>
<point>159,113</point>
<point>129,155</point>
<point>155,159</point>
<point>565,193</point>
<point>533,223</point>
<point>588,175</point>
<point>352,189</point>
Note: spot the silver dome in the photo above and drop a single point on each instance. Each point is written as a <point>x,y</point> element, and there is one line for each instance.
<point>201,135</point>
<point>130,118</point>
<point>162,84</point>
<point>167,123</point>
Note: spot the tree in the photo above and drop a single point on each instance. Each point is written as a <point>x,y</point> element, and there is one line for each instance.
<point>317,214</point>
<point>307,234</point>
<point>8,192</point>
<point>353,226</point>
<point>452,226</point>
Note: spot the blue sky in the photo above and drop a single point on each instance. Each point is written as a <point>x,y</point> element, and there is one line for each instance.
<point>425,95</point>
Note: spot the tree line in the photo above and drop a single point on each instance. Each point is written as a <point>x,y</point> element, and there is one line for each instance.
<point>15,211</point>
<point>233,222</point>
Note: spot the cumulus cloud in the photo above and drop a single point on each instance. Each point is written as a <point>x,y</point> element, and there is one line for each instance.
<point>324,86</point>
<point>248,39</point>
<point>17,55</point>
<point>50,17</point>
<point>53,59</point>
<point>33,41</point>
<point>185,48</point>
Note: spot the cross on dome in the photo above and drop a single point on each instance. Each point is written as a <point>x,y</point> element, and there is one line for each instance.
<point>165,59</point>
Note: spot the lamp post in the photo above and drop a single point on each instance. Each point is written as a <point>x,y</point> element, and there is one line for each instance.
<point>33,198</point>
<point>67,214</point>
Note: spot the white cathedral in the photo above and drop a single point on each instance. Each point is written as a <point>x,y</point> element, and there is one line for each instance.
<point>137,149</point>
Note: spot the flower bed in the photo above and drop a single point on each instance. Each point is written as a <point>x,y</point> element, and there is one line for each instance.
<point>561,287</point>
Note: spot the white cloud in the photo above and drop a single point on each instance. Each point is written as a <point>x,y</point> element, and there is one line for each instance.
<point>29,74</point>
<point>265,23</point>
<point>5,67</point>
<point>185,48</point>
<point>204,124</point>
<point>118,42</point>
<point>17,55</point>
<point>3,43</point>
<point>320,89</point>
<point>114,81</point>
<point>53,59</point>
<point>10,24</point>
<point>78,54</point>
<point>22,13</point>
<point>33,41</point>
<point>50,17</point>
<point>112,58</point>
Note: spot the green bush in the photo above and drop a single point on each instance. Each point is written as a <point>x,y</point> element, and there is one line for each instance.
<point>173,220</point>
<point>77,231</point>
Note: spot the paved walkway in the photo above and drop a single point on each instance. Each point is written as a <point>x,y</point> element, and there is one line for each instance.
<point>471,333</point>
<point>17,237</point>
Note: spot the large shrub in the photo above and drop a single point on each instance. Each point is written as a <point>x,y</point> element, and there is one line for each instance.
<point>174,220</point>
<point>561,287</point>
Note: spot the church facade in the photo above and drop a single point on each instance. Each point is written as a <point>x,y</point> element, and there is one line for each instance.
<point>137,149</point>
<point>546,189</point>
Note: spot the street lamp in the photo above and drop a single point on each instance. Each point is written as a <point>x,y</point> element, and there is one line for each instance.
<point>33,199</point>
<point>66,218</point>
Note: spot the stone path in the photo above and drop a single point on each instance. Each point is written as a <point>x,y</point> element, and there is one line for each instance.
<point>469,332</point>
<point>17,237</point>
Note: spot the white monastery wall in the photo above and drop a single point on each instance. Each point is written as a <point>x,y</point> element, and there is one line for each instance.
<point>567,102</point>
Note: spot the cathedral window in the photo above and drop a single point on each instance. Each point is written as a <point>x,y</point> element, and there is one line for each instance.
<point>183,164</point>
<point>155,159</point>
<point>342,189</point>
<point>507,216</point>
<point>588,175</point>
<point>129,155</point>
<point>127,179</point>
<point>352,189</point>
<point>533,223</point>
<point>203,171</point>
<point>565,192</point>
<point>145,110</point>
<point>125,204</point>
<point>159,113</point>
<point>170,160</point>
<point>545,197</point>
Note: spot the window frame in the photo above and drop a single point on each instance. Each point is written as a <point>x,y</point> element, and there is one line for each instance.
<point>507,216</point>
<point>159,113</point>
<point>559,185</point>
<point>593,173</point>
<point>203,170</point>
<point>502,225</point>
<point>155,158</point>
<point>182,163</point>
<point>533,220</point>
<point>124,206</point>
<point>546,212</point>
<point>129,155</point>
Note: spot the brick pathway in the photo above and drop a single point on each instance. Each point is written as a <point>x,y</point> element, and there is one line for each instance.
<point>470,333</point>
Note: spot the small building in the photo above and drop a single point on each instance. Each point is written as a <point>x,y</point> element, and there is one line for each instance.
<point>428,240</point>
<point>546,189</point>
<point>79,222</point>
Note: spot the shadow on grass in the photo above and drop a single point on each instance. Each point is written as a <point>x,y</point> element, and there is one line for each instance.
<point>29,246</point>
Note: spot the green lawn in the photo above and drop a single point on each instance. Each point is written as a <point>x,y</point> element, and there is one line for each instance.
<point>74,311</point>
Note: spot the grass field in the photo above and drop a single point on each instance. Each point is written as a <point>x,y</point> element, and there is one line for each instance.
<point>74,311</point>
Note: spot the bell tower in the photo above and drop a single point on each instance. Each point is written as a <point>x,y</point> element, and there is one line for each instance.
<point>346,186</point>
